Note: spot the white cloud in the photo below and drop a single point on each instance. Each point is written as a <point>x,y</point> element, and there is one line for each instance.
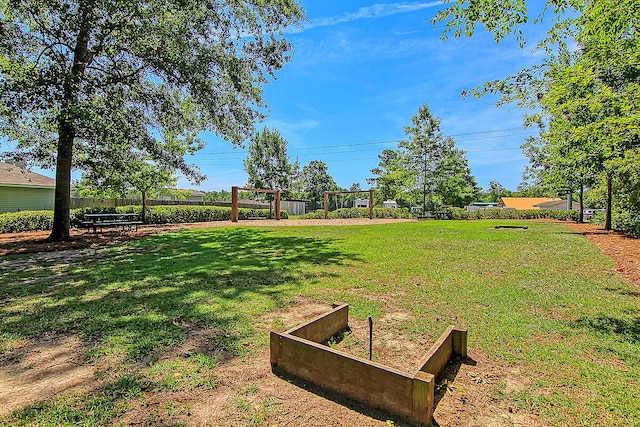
<point>369,12</point>
<point>286,127</point>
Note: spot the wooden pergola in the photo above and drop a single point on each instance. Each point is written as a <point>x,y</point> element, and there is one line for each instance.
<point>234,200</point>
<point>326,201</point>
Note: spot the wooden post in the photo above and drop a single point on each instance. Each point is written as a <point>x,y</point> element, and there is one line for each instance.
<point>422,394</point>
<point>234,204</point>
<point>459,342</point>
<point>326,205</point>
<point>278,204</point>
<point>370,204</point>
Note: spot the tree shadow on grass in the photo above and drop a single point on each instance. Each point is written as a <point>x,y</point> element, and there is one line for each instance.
<point>623,291</point>
<point>140,297</point>
<point>624,329</point>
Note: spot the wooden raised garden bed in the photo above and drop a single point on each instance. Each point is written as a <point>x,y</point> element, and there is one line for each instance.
<point>299,352</point>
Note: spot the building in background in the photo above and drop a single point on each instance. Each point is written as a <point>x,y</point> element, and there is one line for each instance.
<point>479,206</point>
<point>361,203</point>
<point>524,203</point>
<point>24,190</point>
<point>557,205</point>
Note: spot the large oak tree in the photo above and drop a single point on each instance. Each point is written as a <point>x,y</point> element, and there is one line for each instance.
<point>80,80</point>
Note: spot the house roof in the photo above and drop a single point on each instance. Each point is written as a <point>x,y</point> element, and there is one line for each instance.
<point>12,175</point>
<point>522,203</point>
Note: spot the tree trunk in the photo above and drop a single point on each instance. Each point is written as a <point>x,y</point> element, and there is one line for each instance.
<point>424,200</point>
<point>62,204</point>
<point>581,216</point>
<point>143,216</point>
<point>66,129</point>
<point>607,221</point>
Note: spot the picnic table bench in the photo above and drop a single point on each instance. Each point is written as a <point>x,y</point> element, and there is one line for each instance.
<point>441,212</point>
<point>427,215</point>
<point>124,220</point>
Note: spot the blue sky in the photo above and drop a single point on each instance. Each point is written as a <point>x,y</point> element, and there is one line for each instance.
<point>359,72</point>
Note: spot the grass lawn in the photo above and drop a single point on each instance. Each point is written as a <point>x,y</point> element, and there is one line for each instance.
<point>543,300</point>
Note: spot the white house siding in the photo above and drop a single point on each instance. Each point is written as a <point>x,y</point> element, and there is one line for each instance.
<point>559,205</point>
<point>24,198</point>
<point>361,203</point>
<point>293,207</point>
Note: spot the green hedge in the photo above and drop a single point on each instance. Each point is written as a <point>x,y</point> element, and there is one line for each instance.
<point>461,213</point>
<point>359,213</point>
<point>627,222</point>
<point>16,222</point>
<point>184,214</point>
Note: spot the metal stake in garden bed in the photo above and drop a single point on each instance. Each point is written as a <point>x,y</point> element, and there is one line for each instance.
<point>370,338</point>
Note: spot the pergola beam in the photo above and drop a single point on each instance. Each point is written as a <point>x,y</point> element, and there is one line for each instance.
<point>234,200</point>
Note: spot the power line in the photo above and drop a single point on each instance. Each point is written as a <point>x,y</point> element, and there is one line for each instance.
<point>368,158</point>
<point>492,149</point>
<point>357,144</point>
<point>209,157</point>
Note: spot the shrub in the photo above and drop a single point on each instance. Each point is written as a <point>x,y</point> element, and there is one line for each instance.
<point>460,213</point>
<point>17,222</point>
<point>598,218</point>
<point>185,214</point>
<point>628,222</point>
<point>359,213</point>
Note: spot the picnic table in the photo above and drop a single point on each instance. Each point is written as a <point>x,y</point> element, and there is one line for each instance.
<point>124,220</point>
<point>441,212</point>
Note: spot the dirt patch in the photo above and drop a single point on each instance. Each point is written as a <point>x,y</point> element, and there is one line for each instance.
<point>299,312</point>
<point>480,392</point>
<point>39,370</point>
<point>250,394</point>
